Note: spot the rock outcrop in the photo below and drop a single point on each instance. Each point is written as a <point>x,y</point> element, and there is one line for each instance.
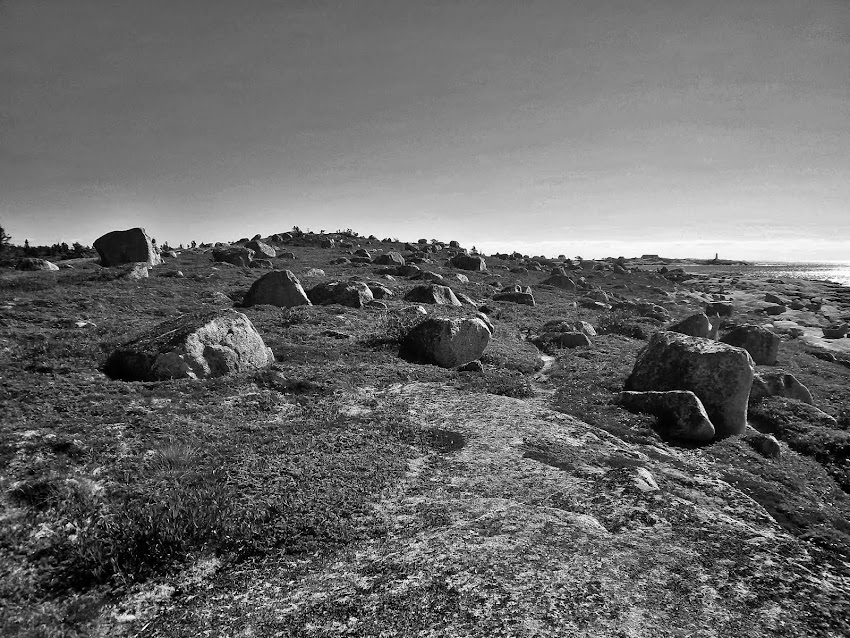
<point>719,374</point>
<point>192,346</point>
<point>125,247</point>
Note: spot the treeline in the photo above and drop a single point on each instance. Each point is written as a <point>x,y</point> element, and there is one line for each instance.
<point>10,252</point>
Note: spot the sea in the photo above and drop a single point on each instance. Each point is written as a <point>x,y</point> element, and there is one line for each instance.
<point>838,272</point>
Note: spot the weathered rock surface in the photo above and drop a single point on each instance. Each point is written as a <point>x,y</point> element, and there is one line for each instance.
<point>262,249</point>
<point>354,294</point>
<point>126,246</point>
<point>680,413</point>
<point>719,374</point>
<point>560,281</point>
<point>277,288</point>
<point>236,255</point>
<point>446,342</point>
<point>764,444</point>
<point>778,383</point>
<point>697,325</point>
<point>468,262</point>
<point>761,343</point>
<point>191,346</point>
<point>536,524</point>
<point>524,298</point>
<point>391,258</point>
<point>721,308</point>
<point>433,294</point>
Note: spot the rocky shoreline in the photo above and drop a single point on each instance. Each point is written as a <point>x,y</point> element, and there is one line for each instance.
<point>414,439</point>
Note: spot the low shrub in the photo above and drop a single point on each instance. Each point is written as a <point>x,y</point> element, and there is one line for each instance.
<point>624,323</point>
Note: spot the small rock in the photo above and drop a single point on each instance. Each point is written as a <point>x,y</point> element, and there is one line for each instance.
<point>680,413</point>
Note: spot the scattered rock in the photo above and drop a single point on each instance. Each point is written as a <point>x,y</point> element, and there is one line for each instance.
<point>836,332</point>
<point>680,413</point>
<point>125,247</point>
<point>468,262</point>
<point>472,366</point>
<point>446,342</point>
<point>34,263</point>
<point>261,248</point>
<point>277,288</point>
<point>524,298</point>
<point>391,258</point>
<point>721,308</point>
<point>134,271</point>
<point>379,291</point>
<point>775,310</point>
<point>235,255</point>
<point>764,444</point>
<point>433,294</point>
<point>354,294</point>
<point>776,299</point>
<point>313,272</point>
<point>719,374</point>
<point>697,325</point>
<point>260,263</point>
<point>191,346</point>
<point>778,383</point>
<point>761,343</point>
<point>560,281</point>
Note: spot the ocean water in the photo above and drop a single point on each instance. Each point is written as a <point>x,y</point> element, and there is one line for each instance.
<point>823,271</point>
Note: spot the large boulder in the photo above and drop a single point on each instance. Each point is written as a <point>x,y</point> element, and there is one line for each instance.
<point>446,342</point>
<point>236,255</point>
<point>468,262</point>
<point>192,346</point>
<point>433,294</point>
<point>697,325</point>
<point>778,383</point>
<point>125,247</point>
<point>524,298</point>
<point>761,343</point>
<point>263,250</point>
<point>719,374</point>
<point>680,413</point>
<point>560,281</point>
<point>391,258</point>
<point>720,308</point>
<point>34,263</point>
<point>277,288</point>
<point>354,294</point>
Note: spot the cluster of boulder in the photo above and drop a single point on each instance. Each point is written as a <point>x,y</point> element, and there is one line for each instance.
<point>699,385</point>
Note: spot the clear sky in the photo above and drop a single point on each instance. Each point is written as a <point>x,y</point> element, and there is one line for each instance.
<point>597,127</point>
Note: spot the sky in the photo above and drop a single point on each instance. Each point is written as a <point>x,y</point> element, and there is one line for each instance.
<point>600,128</point>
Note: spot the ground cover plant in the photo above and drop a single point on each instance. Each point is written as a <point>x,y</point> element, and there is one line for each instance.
<point>112,488</point>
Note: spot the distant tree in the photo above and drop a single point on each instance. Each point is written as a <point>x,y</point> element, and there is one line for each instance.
<point>27,249</point>
<point>194,244</point>
<point>5,240</point>
<point>77,248</point>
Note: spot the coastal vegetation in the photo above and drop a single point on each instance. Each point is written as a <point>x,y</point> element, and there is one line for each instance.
<point>346,490</point>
